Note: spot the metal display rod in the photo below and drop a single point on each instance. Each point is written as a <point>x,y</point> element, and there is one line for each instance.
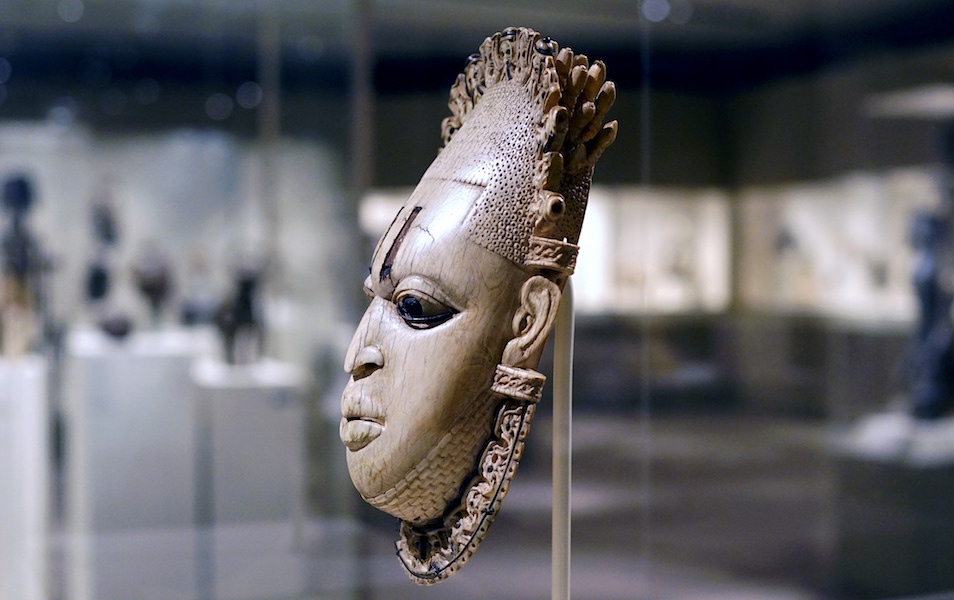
<point>562,446</point>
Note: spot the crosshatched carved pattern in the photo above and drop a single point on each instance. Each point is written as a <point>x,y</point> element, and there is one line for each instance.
<point>435,481</point>
<point>433,553</point>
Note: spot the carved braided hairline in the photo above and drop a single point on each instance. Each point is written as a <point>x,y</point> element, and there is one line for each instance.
<point>454,179</point>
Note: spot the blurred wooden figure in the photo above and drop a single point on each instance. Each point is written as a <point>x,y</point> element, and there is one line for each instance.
<point>22,265</point>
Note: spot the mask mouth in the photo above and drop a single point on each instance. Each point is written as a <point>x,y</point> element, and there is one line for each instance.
<point>362,422</point>
<point>358,432</point>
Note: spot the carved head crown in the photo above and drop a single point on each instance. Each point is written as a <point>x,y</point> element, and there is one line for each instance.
<point>527,126</point>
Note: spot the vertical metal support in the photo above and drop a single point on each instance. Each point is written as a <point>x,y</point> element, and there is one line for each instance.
<point>268,65</point>
<point>362,99</point>
<point>204,502</point>
<point>562,446</point>
<point>361,132</point>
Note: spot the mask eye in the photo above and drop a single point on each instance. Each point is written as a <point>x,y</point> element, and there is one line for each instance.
<point>421,311</point>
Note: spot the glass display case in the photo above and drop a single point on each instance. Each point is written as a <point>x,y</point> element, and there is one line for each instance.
<point>759,306</point>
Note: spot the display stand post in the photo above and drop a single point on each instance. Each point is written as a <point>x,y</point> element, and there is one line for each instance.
<point>562,446</point>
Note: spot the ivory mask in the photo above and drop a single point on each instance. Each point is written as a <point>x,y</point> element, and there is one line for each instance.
<point>464,289</point>
<point>418,405</point>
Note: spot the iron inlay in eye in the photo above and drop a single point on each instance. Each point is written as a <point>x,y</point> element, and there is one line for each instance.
<point>420,311</point>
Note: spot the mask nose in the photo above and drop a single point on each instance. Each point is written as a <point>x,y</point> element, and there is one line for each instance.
<point>368,360</point>
<point>363,357</point>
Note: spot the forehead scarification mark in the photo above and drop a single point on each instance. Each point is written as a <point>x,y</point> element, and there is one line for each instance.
<point>396,244</point>
<point>380,243</point>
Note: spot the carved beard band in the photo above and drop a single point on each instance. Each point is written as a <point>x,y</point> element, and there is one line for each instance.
<point>433,551</point>
<point>434,482</point>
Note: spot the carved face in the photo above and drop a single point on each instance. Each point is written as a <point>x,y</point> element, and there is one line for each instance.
<point>418,408</point>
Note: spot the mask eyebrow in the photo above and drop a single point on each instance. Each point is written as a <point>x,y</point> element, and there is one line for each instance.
<point>396,244</point>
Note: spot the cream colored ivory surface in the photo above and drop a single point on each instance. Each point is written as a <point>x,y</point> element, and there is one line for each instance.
<point>464,288</point>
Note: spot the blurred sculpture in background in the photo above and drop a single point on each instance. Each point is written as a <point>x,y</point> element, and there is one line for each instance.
<point>929,371</point>
<point>464,290</point>
<point>99,274</point>
<point>21,284</point>
<point>929,364</point>
<point>105,239</point>
<point>152,274</point>
<point>917,427</point>
<point>200,302</point>
<point>239,318</point>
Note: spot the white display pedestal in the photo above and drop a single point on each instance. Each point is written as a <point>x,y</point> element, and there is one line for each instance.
<point>250,476</point>
<point>24,478</point>
<point>250,561</point>
<point>186,474</point>
<point>250,440</point>
<point>130,429</point>
<point>893,522</point>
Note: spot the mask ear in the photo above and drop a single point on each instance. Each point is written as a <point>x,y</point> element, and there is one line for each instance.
<point>539,301</point>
